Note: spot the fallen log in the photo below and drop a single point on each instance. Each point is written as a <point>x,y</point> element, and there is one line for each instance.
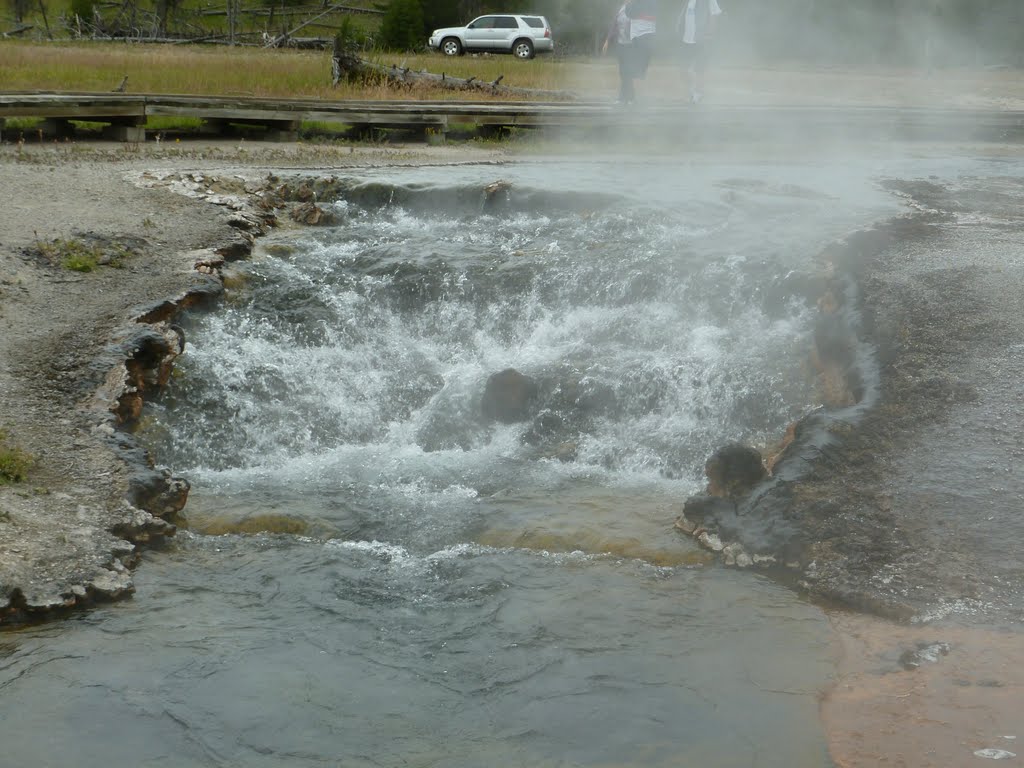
<point>20,29</point>
<point>348,66</point>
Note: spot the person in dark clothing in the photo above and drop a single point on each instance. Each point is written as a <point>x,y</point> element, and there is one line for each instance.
<point>632,34</point>
<point>618,36</point>
<point>643,16</point>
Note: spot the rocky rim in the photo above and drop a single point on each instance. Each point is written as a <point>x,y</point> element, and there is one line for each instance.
<point>79,351</point>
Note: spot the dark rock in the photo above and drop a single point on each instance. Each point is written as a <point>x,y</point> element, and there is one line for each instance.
<point>508,396</point>
<point>158,492</point>
<point>205,293</point>
<point>248,222</point>
<point>701,510</point>
<point>546,426</point>
<point>144,528</point>
<point>733,470</point>
<point>312,214</point>
<point>129,407</point>
<point>178,331</point>
<point>800,446</point>
<point>149,352</point>
<point>588,396</point>
<point>925,653</point>
<point>565,408</point>
<point>496,195</point>
<point>237,249</point>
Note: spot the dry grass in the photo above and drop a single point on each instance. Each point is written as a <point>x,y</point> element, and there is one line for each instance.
<point>226,71</point>
<point>273,73</point>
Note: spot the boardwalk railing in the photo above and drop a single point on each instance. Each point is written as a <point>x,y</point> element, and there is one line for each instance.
<point>125,117</point>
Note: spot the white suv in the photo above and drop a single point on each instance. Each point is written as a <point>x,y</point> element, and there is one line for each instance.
<point>518,34</point>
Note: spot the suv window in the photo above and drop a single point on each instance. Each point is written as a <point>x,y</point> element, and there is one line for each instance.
<point>534,21</point>
<point>484,22</point>
<point>506,22</point>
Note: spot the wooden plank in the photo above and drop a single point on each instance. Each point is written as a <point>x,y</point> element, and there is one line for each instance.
<point>96,113</point>
<point>80,107</point>
<point>733,120</point>
<point>224,112</point>
<point>397,119</point>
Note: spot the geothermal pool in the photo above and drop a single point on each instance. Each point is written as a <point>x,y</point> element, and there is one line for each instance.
<point>375,575</point>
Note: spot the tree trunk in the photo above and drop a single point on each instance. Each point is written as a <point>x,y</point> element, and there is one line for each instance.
<point>46,23</point>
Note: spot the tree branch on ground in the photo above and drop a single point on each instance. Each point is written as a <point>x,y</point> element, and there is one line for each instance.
<point>346,65</point>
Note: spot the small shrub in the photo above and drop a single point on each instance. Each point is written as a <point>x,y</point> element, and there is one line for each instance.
<point>14,463</point>
<point>80,262</point>
<point>76,255</point>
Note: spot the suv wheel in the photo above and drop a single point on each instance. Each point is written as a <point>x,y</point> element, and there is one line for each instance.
<point>522,49</point>
<point>450,46</point>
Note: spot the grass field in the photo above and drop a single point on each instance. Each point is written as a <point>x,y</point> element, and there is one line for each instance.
<point>246,71</point>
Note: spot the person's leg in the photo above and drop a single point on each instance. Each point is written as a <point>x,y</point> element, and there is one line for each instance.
<point>701,68</point>
<point>625,73</point>
<point>645,50</point>
<point>688,67</point>
<point>697,69</point>
<point>632,52</point>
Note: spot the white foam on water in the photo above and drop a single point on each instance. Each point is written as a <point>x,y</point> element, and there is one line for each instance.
<point>994,754</point>
<point>353,363</point>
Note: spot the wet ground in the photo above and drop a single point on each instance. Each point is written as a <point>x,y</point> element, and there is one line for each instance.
<point>924,696</point>
<point>932,476</point>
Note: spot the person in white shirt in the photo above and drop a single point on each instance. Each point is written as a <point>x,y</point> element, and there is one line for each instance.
<point>696,25</point>
<point>619,36</point>
<point>632,34</point>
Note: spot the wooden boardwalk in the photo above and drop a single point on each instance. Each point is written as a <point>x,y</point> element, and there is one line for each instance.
<point>125,117</point>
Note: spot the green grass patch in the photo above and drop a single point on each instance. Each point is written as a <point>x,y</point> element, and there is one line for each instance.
<point>80,256</point>
<point>324,131</point>
<point>174,124</point>
<point>26,124</point>
<point>71,254</point>
<point>14,462</point>
<point>80,262</point>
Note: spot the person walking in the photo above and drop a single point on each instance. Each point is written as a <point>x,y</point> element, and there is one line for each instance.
<point>632,33</point>
<point>696,25</point>
<point>618,36</point>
